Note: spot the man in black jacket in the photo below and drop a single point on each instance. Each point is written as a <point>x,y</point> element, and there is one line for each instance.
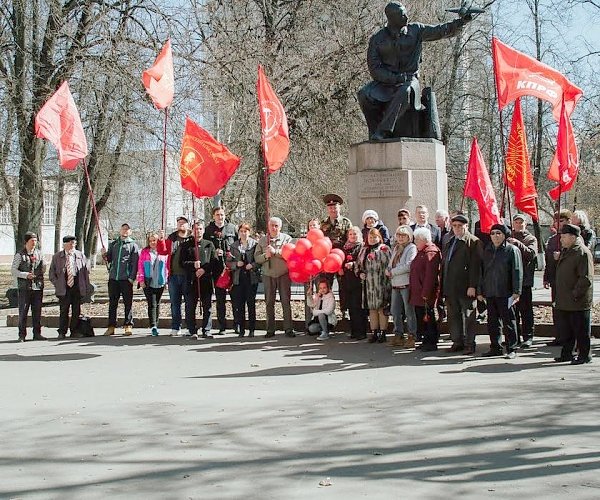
<point>527,245</point>
<point>221,234</point>
<point>199,259</point>
<point>501,285</point>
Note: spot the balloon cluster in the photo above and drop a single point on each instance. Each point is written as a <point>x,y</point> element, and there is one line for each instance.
<point>311,255</point>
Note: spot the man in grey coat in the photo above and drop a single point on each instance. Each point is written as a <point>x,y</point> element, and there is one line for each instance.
<point>70,276</point>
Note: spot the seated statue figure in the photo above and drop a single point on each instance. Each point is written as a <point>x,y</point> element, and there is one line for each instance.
<point>393,58</point>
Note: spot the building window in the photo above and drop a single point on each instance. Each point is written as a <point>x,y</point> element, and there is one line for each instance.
<point>5,214</point>
<point>49,208</point>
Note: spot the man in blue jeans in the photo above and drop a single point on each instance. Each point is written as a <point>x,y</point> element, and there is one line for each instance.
<point>171,246</point>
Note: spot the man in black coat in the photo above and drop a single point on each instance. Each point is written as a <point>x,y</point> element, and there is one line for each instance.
<point>199,259</point>
<point>501,285</point>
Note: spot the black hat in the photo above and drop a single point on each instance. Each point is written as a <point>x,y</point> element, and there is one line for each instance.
<point>68,238</point>
<point>460,218</point>
<point>570,229</point>
<point>332,199</point>
<point>502,228</point>
<point>29,235</point>
<point>181,217</point>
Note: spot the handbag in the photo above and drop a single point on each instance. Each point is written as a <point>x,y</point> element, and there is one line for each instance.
<point>225,281</point>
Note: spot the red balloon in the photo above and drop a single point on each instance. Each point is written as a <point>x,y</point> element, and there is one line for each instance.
<point>314,235</point>
<point>302,246</point>
<point>287,250</point>
<point>295,262</point>
<point>332,263</point>
<point>299,277</point>
<point>321,248</point>
<point>313,267</point>
<point>339,252</point>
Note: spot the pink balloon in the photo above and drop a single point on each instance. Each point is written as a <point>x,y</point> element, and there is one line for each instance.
<point>339,252</point>
<point>287,250</point>
<point>321,248</point>
<point>295,262</point>
<point>313,267</point>
<point>314,235</point>
<point>302,246</point>
<point>332,263</point>
<point>299,277</point>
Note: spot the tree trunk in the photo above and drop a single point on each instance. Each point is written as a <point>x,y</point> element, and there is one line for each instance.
<point>60,195</point>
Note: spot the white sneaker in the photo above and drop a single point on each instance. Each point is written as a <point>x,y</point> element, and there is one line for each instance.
<point>174,333</point>
<point>184,333</point>
<point>323,336</point>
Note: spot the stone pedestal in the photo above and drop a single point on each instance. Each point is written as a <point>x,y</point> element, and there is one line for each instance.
<point>399,173</point>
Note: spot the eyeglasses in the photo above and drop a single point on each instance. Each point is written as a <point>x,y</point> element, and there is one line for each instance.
<point>495,233</point>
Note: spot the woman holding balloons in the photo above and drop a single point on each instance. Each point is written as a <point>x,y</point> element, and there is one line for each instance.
<point>352,284</point>
<point>373,261</point>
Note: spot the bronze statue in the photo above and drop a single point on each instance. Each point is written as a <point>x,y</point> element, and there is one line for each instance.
<point>393,103</point>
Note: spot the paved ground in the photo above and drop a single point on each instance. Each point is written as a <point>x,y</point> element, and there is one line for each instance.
<point>143,417</point>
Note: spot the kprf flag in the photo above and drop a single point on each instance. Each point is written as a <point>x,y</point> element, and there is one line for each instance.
<point>518,175</point>
<point>565,172</point>
<point>478,186</point>
<point>274,126</point>
<point>159,80</point>
<point>518,74</point>
<point>206,165</point>
<point>58,121</point>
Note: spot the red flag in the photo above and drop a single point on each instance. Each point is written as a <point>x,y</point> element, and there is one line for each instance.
<point>479,187</point>
<point>273,122</point>
<point>159,80</point>
<point>206,165</point>
<point>518,169</point>
<point>567,156</point>
<point>58,122</point>
<point>518,74</point>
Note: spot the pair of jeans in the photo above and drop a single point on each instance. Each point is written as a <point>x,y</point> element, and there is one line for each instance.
<point>400,307</point>
<point>177,290</point>
<point>500,315</point>
<point>244,296</point>
<point>27,299</point>
<point>153,296</point>
<point>116,289</point>
<point>321,325</point>
<point>71,299</point>
<point>284,285</point>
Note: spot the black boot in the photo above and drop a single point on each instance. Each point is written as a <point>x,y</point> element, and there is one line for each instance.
<point>374,336</point>
<point>381,338</point>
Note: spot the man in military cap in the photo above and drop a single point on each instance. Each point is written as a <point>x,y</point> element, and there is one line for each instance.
<point>336,227</point>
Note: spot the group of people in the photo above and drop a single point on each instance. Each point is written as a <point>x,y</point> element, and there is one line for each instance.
<point>419,274</point>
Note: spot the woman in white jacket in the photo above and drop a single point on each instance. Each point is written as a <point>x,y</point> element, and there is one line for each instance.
<point>399,271</point>
<point>323,310</point>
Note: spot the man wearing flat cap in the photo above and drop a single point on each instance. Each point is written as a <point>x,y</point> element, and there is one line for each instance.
<point>70,276</point>
<point>573,296</point>
<point>527,245</point>
<point>461,273</point>
<point>28,269</point>
<point>501,284</point>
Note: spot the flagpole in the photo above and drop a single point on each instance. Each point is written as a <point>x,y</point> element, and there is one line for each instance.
<point>196,253</point>
<point>164,179</point>
<point>93,200</point>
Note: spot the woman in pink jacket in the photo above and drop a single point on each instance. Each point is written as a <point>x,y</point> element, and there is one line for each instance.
<point>152,277</point>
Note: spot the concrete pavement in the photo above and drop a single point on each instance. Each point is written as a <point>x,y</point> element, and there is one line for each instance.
<point>171,418</point>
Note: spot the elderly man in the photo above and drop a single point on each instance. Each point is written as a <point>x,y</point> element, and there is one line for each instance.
<point>122,256</point>
<point>442,221</point>
<point>275,275</point>
<point>461,274</point>
<point>573,296</point>
<point>527,245</point>
<point>552,254</point>
<point>70,276</point>
<point>28,268</point>
<point>501,285</point>
<point>422,220</point>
